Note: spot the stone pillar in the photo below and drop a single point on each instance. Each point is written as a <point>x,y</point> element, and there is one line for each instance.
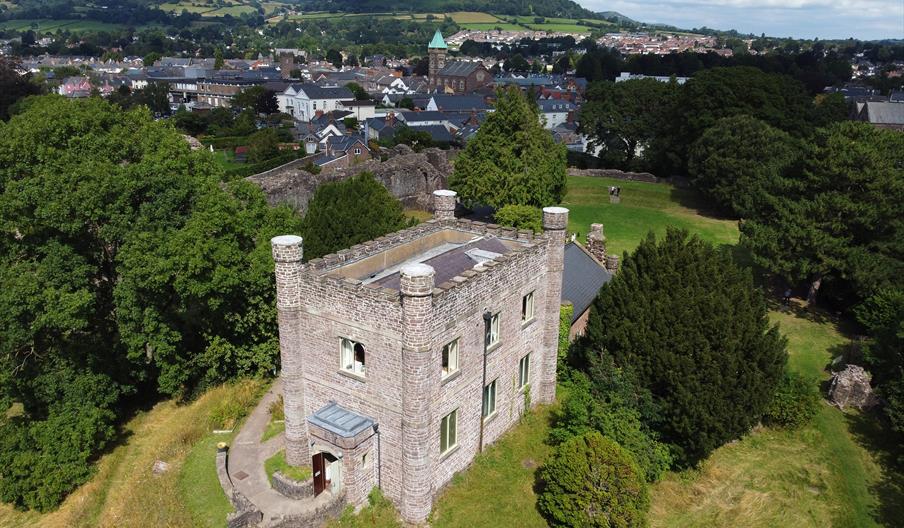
<point>555,224</point>
<point>612,263</point>
<point>419,372</point>
<point>287,252</point>
<point>596,243</point>
<point>444,204</point>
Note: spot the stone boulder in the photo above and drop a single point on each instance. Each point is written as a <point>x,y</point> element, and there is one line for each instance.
<point>851,388</point>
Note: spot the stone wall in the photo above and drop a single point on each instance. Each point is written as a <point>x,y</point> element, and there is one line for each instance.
<point>246,514</point>
<point>615,173</point>
<point>411,177</point>
<point>315,518</point>
<point>293,488</point>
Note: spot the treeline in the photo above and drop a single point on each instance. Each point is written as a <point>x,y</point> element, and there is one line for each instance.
<point>549,8</point>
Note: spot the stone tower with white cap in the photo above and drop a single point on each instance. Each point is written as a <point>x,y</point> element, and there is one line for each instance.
<point>404,356</point>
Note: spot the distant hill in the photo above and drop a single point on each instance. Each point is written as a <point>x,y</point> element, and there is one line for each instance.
<point>544,8</point>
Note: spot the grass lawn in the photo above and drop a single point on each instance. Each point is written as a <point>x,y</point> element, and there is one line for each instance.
<point>417,214</point>
<point>274,428</point>
<point>278,463</point>
<point>500,482</point>
<point>124,491</point>
<point>226,159</point>
<point>644,206</point>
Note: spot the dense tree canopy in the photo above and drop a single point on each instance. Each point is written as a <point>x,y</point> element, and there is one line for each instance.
<point>126,267</point>
<point>591,482</point>
<point>344,213</point>
<point>839,221</point>
<point>623,118</point>
<point>690,325</point>
<point>257,98</point>
<point>512,159</point>
<point>738,159</point>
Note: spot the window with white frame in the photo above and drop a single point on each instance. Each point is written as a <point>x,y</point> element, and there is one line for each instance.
<point>448,432</point>
<point>527,307</point>
<point>524,371</point>
<point>450,358</point>
<point>351,357</point>
<point>489,399</point>
<point>315,105</point>
<point>357,151</point>
<point>492,331</point>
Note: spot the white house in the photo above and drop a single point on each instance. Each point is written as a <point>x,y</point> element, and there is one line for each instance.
<point>555,112</point>
<point>360,110</point>
<point>305,101</point>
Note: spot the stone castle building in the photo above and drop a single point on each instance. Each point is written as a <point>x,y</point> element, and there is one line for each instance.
<point>403,357</point>
<point>455,76</point>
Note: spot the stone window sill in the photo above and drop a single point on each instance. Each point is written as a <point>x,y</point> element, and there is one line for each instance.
<point>494,346</point>
<point>529,322</point>
<point>490,418</point>
<point>448,452</point>
<point>449,377</point>
<point>352,375</point>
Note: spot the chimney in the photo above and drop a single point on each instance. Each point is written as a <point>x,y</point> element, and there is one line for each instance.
<point>444,204</point>
<point>612,264</point>
<point>318,114</point>
<point>596,243</point>
<point>570,117</point>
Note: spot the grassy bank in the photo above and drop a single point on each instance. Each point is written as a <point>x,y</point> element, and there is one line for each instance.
<point>125,492</point>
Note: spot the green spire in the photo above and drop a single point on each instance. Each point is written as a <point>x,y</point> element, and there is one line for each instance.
<point>437,42</point>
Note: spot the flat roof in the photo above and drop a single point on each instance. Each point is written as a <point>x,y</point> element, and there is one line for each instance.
<point>337,419</point>
<point>451,260</point>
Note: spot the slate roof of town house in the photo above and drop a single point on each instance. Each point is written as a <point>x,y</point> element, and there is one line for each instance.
<point>314,91</point>
<point>456,103</point>
<point>582,279</point>
<point>884,113</point>
<point>555,105</point>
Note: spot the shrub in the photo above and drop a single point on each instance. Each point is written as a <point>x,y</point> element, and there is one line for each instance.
<point>590,481</point>
<point>795,402</point>
<point>521,217</point>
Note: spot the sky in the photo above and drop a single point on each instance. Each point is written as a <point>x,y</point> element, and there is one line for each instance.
<point>825,19</point>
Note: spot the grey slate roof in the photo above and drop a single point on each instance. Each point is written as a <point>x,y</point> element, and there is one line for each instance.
<point>455,103</point>
<point>437,133</point>
<point>337,419</point>
<point>884,113</point>
<point>452,262</point>
<point>458,69</point>
<point>420,117</point>
<point>314,91</point>
<point>582,279</point>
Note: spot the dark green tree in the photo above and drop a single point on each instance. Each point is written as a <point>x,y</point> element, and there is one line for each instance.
<point>218,61</point>
<point>334,57</point>
<point>360,93</point>
<point>13,86</point>
<point>263,145</point>
<point>690,325</point>
<point>738,159</point>
<point>520,217</point>
<point>257,98</point>
<point>512,159</point>
<point>838,221</point>
<point>623,118</point>
<point>592,482</point>
<point>344,213</point>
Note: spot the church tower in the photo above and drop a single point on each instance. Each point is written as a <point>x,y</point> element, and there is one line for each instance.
<point>436,51</point>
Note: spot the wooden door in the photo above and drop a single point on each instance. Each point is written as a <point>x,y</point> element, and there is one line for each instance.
<point>319,474</point>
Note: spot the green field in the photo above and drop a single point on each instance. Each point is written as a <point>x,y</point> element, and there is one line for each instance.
<point>643,207</point>
<point>470,17</point>
<point>44,25</point>
<point>476,26</point>
<point>564,28</point>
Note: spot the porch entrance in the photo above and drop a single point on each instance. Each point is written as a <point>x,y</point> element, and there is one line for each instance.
<point>326,470</point>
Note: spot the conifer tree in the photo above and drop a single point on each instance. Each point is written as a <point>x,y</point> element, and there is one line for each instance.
<point>694,330</point>
<point>512,160</point>
<point>344,213</point>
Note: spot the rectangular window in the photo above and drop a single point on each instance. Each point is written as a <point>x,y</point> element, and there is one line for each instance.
<point>351,357</point>
<point>315,105</point>
<point>527,307</point>
<point>450,358</point>
<point>524,371</point>
<point>492,331</point>
<point>489,399</point>
<point>357,151</point>
<point>448,432</point>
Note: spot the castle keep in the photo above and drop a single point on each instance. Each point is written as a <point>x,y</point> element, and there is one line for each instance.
<point>404,356</point>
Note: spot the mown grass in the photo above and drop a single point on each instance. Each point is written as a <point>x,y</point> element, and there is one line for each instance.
<point>199,485</point>
<point>278,463</point>
<point>643,207</point>
<point>125,492</point>
<point>499,484</point>
<point>417,214</point>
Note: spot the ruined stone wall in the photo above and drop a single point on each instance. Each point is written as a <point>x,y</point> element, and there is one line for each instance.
<point>410,177</point>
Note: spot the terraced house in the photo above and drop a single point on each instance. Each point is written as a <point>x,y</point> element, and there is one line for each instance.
<point>403,357</point>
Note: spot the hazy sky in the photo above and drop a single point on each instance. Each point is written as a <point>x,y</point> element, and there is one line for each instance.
<point>863,19</point>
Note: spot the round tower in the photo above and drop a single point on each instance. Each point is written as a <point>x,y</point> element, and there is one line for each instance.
<point>555,224</point>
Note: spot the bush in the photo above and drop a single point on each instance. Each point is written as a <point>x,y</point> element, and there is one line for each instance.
<point>251,169</point>
<point>795,402</point>
<point>521,217</point>
<point>590,481</point>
